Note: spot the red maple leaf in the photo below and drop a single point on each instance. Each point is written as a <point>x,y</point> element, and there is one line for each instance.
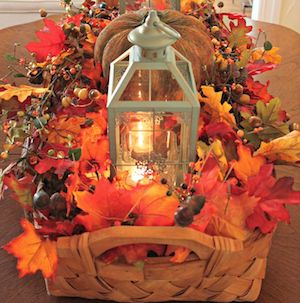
<point>51,42</point>
<point>273,196</point>
<point>259,68</point>
<point>60,165</point>
<point>258,90</point>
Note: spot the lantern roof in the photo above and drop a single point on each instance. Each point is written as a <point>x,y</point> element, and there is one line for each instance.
<point>153,33</point>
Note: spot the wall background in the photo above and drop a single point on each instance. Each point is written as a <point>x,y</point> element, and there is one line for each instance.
<point>284,12</point>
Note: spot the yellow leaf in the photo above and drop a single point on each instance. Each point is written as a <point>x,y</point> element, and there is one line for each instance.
<point>285,149</point>
<point>247,165</point>
<point>270,56</point>
<point>219,112</point>
<point>22,92</point>
<point>32,252</point>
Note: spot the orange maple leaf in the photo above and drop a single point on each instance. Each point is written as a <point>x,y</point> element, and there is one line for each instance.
<point>32,252</point>
<point>247,165</point>
<point>220,112</point>
<point>152,206</point>
<point>270,56</point>
<point>105,206</point>
<point>62,128</point>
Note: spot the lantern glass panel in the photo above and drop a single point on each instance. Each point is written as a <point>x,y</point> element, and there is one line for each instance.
<point>160,138</point>
<point>152,85</point>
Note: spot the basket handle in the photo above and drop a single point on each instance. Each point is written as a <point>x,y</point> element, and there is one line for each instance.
<point>201,244</point>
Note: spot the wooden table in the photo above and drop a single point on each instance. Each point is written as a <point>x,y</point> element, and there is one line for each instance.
<point>282,283</point>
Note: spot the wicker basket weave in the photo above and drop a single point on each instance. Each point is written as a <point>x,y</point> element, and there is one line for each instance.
<point>219,270</point>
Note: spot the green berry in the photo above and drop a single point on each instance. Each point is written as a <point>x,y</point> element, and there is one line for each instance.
<point>268,46</point>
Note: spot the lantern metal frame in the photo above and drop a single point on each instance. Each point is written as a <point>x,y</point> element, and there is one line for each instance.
<point>165,61</point>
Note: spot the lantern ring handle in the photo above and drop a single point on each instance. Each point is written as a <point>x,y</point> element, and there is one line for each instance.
<point>167,30</point>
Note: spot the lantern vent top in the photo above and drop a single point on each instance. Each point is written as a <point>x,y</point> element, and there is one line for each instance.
<point>153,34</point>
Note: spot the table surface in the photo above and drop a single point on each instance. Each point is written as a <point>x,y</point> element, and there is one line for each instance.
<point>282,282</point>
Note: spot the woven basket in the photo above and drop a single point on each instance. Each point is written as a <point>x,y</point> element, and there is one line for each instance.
<point>219,269</point>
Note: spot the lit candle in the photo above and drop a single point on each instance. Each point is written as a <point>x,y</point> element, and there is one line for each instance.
<point>140,139</point>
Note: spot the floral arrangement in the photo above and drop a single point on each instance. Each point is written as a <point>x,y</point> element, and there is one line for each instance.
<point>66,182</point>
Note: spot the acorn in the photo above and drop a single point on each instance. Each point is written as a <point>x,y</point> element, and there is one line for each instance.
<point>239,89</point>
<point>244,99</point>
<point>184,216</point>
<point>58,205</point>
<point>196,203</point>
<point>294,126</point>
<point>40,199</point>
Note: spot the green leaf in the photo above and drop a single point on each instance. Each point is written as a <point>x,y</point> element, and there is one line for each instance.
<point>10,58</point>
<point>19,75</point>
<point>269,112</point>
<point>74,154</point>
<point>244,59</point>
<point>39,122</point>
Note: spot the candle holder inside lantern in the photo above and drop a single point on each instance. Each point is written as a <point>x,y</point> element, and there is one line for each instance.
<point>153,108</point>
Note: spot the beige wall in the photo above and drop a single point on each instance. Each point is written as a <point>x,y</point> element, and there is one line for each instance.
<point>290,14</point>
<point>284,12</point>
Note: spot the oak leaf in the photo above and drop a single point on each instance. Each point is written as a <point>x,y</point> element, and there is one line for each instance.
<point>22,92</point>
<point>270,56</point>
<point>247,165</point>
<point>219,112</point>
<point>33,253</point>
<point>285,149</point>
<point>238,36</point>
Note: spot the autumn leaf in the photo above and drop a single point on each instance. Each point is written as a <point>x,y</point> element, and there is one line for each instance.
<point>60,165</point>
<point>132,253</point>
<point>94,154</point>
<point>219,112</point>
<point>22,189</point>
<point>32,252</point>
<point>238,35</point>
<point>152,206</point>
<point>22,92</point>
<point>272,197</point>
<point>258,90</point>
<point>180,253</point>
<point>93,71</point>
<point>104,207</point>
<point>259,68</point>
<point>285,149</point>
<point>247,165</point>
<point>270,56</point>
<point>51,42</point>
<point>61,128</point>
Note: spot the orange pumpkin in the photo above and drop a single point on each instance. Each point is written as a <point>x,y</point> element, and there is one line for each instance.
<point>195,43</point>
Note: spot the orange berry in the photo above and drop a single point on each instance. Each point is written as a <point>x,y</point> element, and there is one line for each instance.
<point>94,94</point>
<point>76,91</point>
<point>73,70</point>
<point>240,133</point>
<point>66,101</point>
<point>83,94</point>
<point>4,155</point>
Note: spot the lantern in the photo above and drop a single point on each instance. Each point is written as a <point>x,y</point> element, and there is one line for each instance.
<point>153,108</point>
<point>128,5</point>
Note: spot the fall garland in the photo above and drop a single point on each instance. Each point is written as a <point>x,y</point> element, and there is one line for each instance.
<point>66,182</point>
